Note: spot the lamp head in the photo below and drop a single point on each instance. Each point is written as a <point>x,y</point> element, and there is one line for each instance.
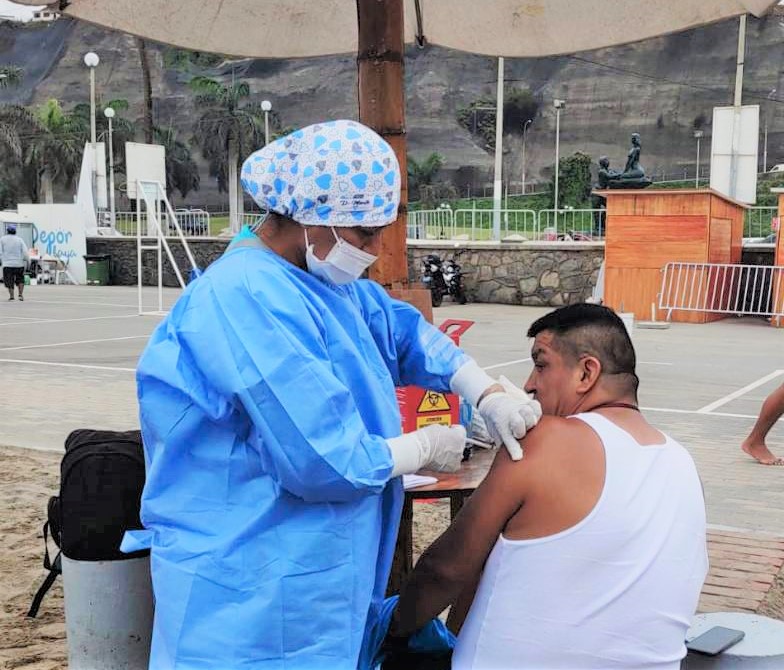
<point>559,104</point>
<point>697,134</point>
<point>266,105</point>
<point>91,59</point>
<point>108,113</point>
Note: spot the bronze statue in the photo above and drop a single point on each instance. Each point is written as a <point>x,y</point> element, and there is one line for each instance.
<point>633,176</point>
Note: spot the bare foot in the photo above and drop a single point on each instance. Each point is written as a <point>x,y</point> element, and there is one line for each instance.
<point>761,453</point>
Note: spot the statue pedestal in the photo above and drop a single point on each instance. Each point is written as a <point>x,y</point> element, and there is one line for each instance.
<point>646,229</point>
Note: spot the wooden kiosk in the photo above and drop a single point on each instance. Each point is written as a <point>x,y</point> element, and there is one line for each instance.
<point>646,229</point>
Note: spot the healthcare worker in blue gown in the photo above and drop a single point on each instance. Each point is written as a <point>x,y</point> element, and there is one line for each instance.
<point>271,429</point>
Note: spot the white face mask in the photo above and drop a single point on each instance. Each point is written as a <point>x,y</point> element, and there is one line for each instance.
<point>344,263</point>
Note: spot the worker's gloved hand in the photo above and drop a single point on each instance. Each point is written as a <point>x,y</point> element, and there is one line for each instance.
<point>508,411</point>
<point>435,447</point>
<point>508,417</point>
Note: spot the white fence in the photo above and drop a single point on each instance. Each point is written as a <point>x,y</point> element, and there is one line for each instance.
<point>477,224</point>
<point>192,222</point>
<point>754,290</point>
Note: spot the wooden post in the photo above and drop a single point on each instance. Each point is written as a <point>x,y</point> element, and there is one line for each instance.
<point>382,108</point>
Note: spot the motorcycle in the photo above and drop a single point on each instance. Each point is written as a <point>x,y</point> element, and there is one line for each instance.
<point>443,278</point>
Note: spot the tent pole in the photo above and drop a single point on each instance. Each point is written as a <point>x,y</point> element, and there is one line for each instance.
<point>382,108</point>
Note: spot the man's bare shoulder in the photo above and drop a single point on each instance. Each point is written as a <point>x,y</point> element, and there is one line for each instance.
<point>554,433</point>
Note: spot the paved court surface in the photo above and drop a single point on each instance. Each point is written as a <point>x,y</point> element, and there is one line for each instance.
<point>67,356</point>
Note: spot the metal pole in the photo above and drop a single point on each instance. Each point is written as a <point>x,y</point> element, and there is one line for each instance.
<point>266,127</point>
<point>112,213</point>
<point>557,158</point>
<point>92,106</point>
<point>697,172</point>
<point>737,104</point>
<point>525,128</point>
<point>765,145</point>
<point>499,131</point>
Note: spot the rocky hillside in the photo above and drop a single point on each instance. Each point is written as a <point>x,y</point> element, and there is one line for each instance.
<point>662,88</point>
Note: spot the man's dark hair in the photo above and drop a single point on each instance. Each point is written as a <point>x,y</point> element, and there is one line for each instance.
<point>592,330</point>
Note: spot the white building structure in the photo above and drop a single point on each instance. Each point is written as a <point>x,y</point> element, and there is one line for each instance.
<point>11,11</point>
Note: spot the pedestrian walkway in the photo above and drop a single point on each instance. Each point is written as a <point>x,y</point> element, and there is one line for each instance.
<point>743,569</point>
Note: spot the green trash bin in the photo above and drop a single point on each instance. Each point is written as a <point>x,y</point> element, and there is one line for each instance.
<point>98,269</point>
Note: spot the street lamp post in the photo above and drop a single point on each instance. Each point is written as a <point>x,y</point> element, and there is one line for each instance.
<point>266,106</point>
<point>559,105</point>
<point>109,114</point>
<point>698,137</point>
<point>525,128</point>
<point>91,60</point>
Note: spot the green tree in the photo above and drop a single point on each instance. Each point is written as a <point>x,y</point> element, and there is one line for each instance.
<point>16,123</point>
<point>574,181</point>
<point>10,75</point>
<point>182,173</point>
<point>54,151</point>
<point>228,129</point>
<point>423,173</point>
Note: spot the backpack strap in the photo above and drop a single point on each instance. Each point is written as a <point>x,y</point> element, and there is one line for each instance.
<point>54,567</point>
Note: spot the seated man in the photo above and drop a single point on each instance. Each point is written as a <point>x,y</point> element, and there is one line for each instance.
<point>590,552</point>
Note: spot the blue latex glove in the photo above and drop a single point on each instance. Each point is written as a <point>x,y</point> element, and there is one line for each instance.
<point>433,637</point>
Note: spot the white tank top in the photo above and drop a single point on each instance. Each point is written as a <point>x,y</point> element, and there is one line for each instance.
<point>617,590</point>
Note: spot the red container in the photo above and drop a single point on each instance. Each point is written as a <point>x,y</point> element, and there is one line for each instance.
<point>420,407</point>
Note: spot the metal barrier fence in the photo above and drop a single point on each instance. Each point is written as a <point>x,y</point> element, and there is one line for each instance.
<point>571,224</point>
<point>477,224</point>
<point>193,223</point>
<point>749,290</point>
<point>758,221</point>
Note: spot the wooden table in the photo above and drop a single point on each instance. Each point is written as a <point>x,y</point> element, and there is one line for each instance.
<point>455,486</point>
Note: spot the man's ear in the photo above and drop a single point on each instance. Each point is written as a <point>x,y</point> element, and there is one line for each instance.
<point>590,368</point>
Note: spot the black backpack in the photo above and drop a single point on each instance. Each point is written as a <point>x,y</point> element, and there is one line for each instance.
<point>101,481</point>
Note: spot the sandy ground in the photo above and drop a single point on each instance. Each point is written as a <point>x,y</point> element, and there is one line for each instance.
<point>27,479</point>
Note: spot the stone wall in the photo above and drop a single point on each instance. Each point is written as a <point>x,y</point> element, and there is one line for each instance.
<point>534,273</point>
<point>553,273</point>
<point>124,265</point>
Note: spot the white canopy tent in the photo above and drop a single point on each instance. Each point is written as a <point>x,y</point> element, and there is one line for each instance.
<point>377,30</point>
<point>298,28</point>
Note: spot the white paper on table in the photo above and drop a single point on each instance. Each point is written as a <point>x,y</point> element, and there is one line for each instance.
<point>415,481</point>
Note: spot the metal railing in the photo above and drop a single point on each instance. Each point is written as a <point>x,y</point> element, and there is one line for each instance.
<point>428,224</point>
<point>477,224</point>
<point>722,288</point>
<point>758,222</point>
<point>571,224</point>
<point>192,222</point>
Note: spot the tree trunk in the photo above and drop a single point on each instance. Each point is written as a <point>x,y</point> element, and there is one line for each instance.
<point>232,179</point>
<point>147,88</point>
<point>382,107</point>
<point>46,187</point>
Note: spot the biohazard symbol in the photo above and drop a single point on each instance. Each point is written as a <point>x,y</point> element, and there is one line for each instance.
<point>433,402</point>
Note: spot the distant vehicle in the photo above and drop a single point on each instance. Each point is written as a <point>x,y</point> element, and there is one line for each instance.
<point>778,167</point>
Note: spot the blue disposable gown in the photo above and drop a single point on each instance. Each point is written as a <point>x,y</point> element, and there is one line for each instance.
<point>266,396</point>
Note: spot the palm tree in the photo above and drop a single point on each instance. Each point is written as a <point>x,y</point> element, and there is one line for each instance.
<point>422,173</point>
<point>10,75</point>
<point>229,128</point>
<point>182,172</point>
<point>54,151</point>
<point>144,61</point>
<point>16,122</point>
